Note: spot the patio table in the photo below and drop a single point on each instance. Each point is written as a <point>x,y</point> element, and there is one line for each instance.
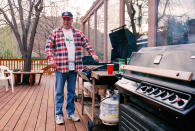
<point>32,73</point>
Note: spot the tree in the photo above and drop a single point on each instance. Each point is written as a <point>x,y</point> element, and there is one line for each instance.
<point>24,13</point>
<point>48,21</point>
<point>136,15</point>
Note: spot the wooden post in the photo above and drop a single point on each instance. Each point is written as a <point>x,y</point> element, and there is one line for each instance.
<point>122,13</point>
<point>152,22</point>
<point>105,29</point>
<point>95,29</point>
<point>93,98</point>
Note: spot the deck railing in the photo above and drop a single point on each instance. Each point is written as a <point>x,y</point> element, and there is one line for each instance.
<point>13,64</point>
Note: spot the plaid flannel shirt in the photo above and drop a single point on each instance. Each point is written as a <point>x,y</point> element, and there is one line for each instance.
<point>56,49</point>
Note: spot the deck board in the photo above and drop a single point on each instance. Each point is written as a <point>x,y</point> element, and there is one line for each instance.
<point>33,108</point>
<point>42,117</point>
<point>26,112</point>
<point>50,124</point>
<point>7,97</point>
<point>11,107</point>
<point>31,123</point>
<point>16,116</point>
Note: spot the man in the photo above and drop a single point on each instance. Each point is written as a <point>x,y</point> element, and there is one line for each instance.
<point>63,51</point>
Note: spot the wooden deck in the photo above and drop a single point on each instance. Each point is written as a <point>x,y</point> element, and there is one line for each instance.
<point>32,108</point>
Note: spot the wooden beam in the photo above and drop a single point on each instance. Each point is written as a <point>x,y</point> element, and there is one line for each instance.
<point>179,75</point>
<point>94,7</point>
<point>122,13</point>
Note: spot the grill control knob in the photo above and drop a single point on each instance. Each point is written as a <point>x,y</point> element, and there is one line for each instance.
<point>153,91</point>
<point>164,95</point>
<point>160,93</point>
<point>173,98</point>
<point>143,88</point>
<point>149,89</point>
<point>180,102</point>
<point>156,92</point>
<point>168,96</point>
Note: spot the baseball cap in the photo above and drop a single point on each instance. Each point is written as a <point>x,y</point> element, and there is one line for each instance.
<point>67,14</point>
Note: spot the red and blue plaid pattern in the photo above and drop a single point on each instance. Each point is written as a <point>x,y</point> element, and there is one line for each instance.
<point>56,49</point>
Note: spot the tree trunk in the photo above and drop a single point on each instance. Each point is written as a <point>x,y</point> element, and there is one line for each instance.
<point>131,12</point>
<point>27,63</point>
<point>27,68</point>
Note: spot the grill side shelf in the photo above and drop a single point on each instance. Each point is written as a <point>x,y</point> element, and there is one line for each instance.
<point>179,75</point>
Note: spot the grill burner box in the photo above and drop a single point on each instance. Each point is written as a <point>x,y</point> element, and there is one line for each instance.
<point>91,65</point>
<point>123,44</point>
<point>157,90</point>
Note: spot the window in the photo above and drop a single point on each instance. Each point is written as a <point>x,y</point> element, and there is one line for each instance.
<point>100,32</point>
<point>136,19</point>
<point>86,34</point>
<point>176,22</point>
<point>86,29</point>
<point>91,30</point>
<point>113,21</point>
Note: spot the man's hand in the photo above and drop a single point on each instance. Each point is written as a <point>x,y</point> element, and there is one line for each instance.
<point>52,63</point>
<point>95,57</point>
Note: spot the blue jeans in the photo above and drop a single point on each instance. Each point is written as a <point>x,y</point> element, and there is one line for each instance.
<point>61,78</point>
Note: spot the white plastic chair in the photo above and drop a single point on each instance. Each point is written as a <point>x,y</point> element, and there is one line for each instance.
<point>9,77</point>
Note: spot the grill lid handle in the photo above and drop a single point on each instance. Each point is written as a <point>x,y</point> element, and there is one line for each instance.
<point>180,75</point>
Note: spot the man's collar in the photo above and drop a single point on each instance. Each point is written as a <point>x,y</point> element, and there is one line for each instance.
<point>62,28</point>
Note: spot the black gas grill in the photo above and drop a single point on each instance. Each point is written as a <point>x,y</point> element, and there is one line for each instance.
<point>123,44</point>
<point>157,90</point>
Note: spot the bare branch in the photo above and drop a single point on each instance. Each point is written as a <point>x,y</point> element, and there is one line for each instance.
<point>39,9</point>
<point>15,27</point>
<point>12,13</point>
<point>164,10</point>
<point>21,14</point>
<point>131,12</point>
<point>24,37</point>
<point>3,22</point>
<point>14,4</point>
<point>6,17</point>
<point>29,15</point>
<point>37,5</point>
<point>4,8</point>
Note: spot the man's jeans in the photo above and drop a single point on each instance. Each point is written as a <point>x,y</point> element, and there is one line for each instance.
<point>70,77</point>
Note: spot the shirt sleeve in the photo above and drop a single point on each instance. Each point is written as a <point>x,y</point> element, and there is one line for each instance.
<point>86,44</point>
<point>50,46</point>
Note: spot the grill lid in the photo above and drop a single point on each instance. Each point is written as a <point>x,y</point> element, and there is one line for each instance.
<point>123,43</point>
<point>176,61</point>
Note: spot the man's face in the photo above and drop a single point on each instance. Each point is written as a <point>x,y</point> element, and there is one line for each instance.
<point>67,23</point>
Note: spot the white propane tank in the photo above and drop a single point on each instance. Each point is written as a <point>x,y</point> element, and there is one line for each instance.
<point>109,110</point>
